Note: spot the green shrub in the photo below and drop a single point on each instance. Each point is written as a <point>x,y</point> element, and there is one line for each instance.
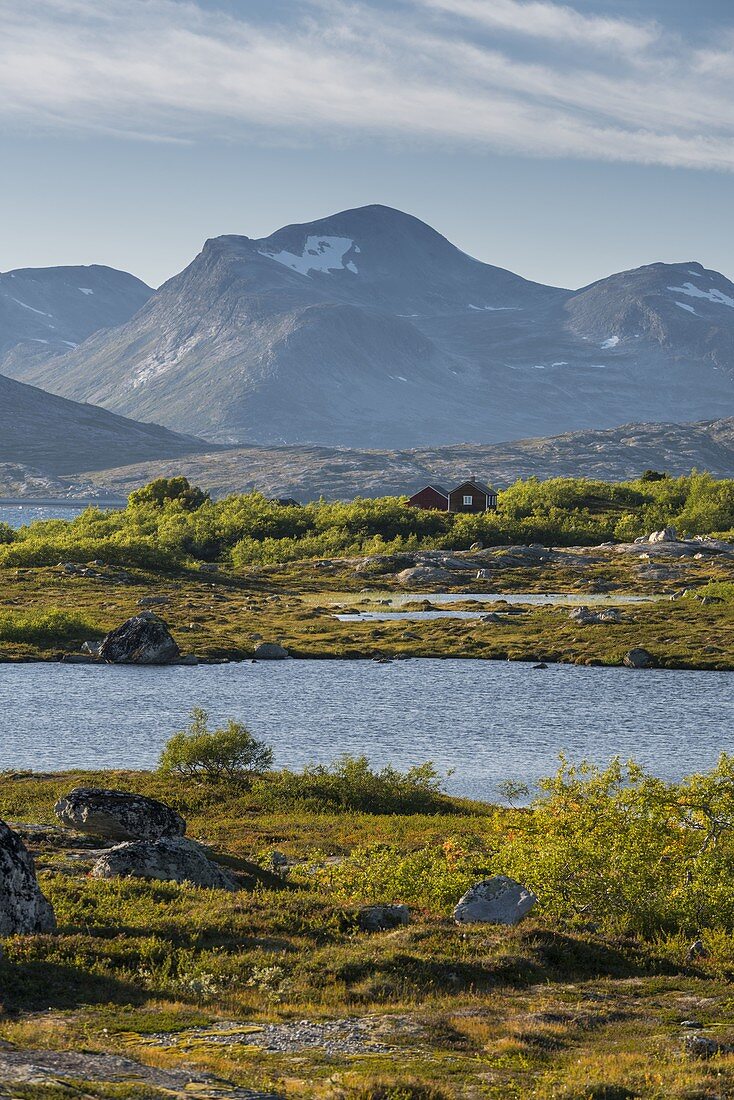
<point>351,784</point>
<point>45,627</point>
<point>230,753</point>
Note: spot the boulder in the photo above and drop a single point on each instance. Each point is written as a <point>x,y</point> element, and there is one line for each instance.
<point>170,859</point>
<point>271,651</point>
<point>668,534</point>
<point>639,658</point>
<point>143,640</point>
<point>584,615</point>
<point>23,908</point>
<point>118,815</point>
<point>154,601</point>
<point>498,900</point>
<point>380,918</point>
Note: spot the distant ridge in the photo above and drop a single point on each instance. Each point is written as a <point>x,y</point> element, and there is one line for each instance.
<point>370,329</point>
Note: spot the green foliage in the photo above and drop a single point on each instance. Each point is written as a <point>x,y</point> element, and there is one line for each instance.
<point>43,628</point>
<point>7,534</point>
<point>352,784</point>
<point>230,753</point>
<point>169,523</point>
<point>167,489</point>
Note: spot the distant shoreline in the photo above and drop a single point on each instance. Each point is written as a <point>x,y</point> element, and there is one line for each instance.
<point>60,502</point>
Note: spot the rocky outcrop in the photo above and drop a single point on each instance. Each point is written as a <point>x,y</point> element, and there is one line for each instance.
<point>585,615</point>
<point>639,658</point>
<point>425,574</point>
<point>170,859</point>
<point>271,651</point>
<point>380,918</point>
<point>498,900</point>
<point>23,908</point>
<point>118,815</point>
<point>143,640</point>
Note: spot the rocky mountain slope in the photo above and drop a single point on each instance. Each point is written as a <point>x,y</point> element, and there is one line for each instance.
<point>307,472</point>
<point>370,329</point>
<point>47,311</point>
<point>54,436</point>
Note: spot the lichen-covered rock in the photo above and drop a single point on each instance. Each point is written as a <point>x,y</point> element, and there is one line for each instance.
<point>379,918</point>
<point>639,658</point>
<point>143,640</point>
<point>425,574</point>
<point>170,859</point>
<point>498,900</point>
<point>23,908</point>
<point>271,651</point>
<point>118,815</point>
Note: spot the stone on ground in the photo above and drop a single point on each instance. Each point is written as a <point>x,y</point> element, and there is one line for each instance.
<point>639,658</point>
<point>23,908</point>
<point>143,640</point>
<point>271,651</point>
<point>170,859</point>
<point>379,918</point>
<point>118,815</point>
<point>498,900</point>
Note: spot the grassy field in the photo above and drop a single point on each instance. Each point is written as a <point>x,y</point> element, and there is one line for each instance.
<point>45,614</point>
<point>571,1006</point>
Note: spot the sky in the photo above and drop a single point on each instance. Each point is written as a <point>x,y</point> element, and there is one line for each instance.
<point>564,141</point>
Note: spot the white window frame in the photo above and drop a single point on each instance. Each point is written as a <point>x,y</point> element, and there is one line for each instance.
<point>468,499</point>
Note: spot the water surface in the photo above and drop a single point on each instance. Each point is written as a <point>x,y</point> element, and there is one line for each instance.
<point>488,720</point>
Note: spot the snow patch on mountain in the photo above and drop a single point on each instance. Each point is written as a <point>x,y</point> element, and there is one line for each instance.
<point>689,309</point>
<point>711,295</point>
<point>86,290</point>
<point>610,343</point>
<point>323,254</point>
<point>31,308</point>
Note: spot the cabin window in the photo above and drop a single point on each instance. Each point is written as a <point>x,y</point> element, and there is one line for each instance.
<point>468,499</point>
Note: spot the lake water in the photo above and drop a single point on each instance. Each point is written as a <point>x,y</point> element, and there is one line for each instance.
<point>488,720</point>
<point>18,515</point>
<point>535,599</point>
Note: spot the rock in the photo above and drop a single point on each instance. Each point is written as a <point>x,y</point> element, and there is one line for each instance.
<point>541,664</point>
<point>585,615</point>
<point>700,1046</point>
<point>271,651</point>
<point>379,918</point>
<point>23,908</point>
<point>208,567</point>
<point>170,859</point>
<point>154,601</point>
<point>118,815</point>
<point>143,640</point>
<point>668,534</point>
<point>498,900</point>
<point>639,658</point>
<point>189,659</point>
<point>91,648</point>
<point>477,545</point>
<point>425,574</point>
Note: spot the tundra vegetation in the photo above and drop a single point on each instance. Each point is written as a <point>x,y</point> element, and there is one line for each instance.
<point>230,573</point>
<point>628,953</point>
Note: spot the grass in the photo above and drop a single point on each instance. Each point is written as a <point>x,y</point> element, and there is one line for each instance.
<point>216,616</point>
<point>159,972</point>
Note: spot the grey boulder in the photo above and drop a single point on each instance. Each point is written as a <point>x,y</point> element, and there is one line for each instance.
<point>118,815</point>
<point>170,859</point>
<point>143,640</point>
<point>379,918</point>
<point>23,908</point>
<point>498,900</point>
<point>639,658</point>
<point>425,574</point>
<point>271,651</point>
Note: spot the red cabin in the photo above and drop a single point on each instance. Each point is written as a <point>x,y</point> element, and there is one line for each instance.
<point>432,497</point>
<point>472,496</point>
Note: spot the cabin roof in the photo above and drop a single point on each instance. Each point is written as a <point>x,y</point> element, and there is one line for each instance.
<point>436,488</point>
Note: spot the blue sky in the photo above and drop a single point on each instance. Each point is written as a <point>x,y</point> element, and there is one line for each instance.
<point>562,140</point>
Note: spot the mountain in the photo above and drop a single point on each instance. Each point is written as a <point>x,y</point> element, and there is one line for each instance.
<point>308,472</point>
<point>370,329</point>
<point>45,311</point>
<point>55,436</point>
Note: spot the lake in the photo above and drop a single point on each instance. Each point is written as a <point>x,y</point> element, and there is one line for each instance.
<point>487,720</point>
<point>18,515</point>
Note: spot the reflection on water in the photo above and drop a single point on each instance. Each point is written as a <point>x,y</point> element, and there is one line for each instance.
<point>488,720</point>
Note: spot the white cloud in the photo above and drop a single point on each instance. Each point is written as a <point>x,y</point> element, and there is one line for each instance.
<point>449,71</point>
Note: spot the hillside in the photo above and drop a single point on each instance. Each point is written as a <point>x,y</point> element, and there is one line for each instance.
<point>55,436</point>
<point>309,472</point>
<point>369,329</point>
<point>46,311</point>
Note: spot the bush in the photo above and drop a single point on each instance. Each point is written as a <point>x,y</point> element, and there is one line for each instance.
<point>230,753</point>
<point>45,627</point>
<point>351,784</point>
